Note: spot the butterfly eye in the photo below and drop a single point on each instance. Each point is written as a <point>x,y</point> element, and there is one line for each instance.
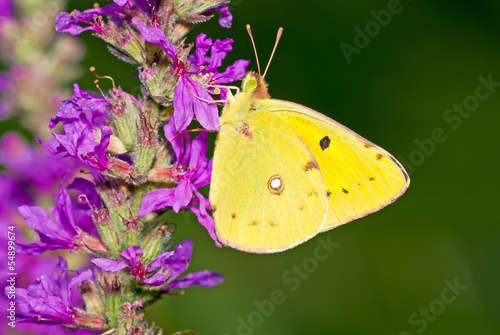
<point>250,85</point>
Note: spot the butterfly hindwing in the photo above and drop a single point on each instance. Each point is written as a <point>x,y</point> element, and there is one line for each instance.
<point>267,191</point>
<point>359,176</point>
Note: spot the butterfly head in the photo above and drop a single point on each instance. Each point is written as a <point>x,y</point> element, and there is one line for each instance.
<point>255,85</point>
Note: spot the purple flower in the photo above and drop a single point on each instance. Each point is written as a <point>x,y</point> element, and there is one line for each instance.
<point>146,6</point>
<point>193,171</point>
<point>198,77</point>
<point>4,86</point>
<point>148,272</point>
<point>87,190</point>
<point>50,301</point>
<point>34,165</point>
<point>58,231</point>
<point>14,194</point>
<point>70,23</point>
<point>28,269</point>
<point>89,202</point>
<point>6,10</point>
<point>163,269</point>
<point>179,263</point>
<point>225,18</point>
<point>86,135</point>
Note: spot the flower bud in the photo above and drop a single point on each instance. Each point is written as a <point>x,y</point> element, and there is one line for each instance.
<point>90,294</point>
<point>155,241</point>
<point>89,320</point>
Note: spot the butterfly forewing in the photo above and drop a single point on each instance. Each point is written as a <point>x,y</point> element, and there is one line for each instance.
<point>267,191</point>
<point>359,176</point>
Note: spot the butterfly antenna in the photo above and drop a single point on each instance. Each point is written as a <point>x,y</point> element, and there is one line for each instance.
<point>280,32</point>
<point>254,48</point>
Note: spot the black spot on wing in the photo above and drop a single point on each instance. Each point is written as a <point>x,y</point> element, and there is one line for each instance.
<point>233,216</point>
<point>325,142</point>
<point>253,223</point>
<point>345,191</point>
<point>328,194</point>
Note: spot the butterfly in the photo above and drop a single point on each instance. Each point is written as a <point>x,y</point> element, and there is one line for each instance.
<point>283,173</point>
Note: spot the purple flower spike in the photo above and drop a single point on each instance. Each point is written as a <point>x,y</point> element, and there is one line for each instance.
<point>58,232</point>
<point>86,135</point>
<point>195,175</point>
<point>50,300</point>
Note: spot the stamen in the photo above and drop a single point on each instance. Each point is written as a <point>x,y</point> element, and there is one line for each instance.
<point>92,69</point>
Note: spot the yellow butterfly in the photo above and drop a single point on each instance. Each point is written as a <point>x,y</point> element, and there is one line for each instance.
<point>283,173</point>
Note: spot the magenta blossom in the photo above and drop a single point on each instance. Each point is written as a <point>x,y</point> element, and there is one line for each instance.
<point>198,77</point>
<point>192,170</point>
<point>163,269</point>
<point>70,23</point>
<point>86,135</point>
<point>50,301</point>
<point>4,86</point>
<point>225,18</point>
<point>6,15</point>
<point>41,170</point>
<point>58,231</point>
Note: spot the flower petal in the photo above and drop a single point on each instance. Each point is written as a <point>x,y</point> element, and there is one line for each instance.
<point>233,72</point>
<point>201,278</point>
<point>225,18</point>
<point>203,45</point>
<point>179,262</point>
<point>183,105</point>
<point>132,254</point>
<point>206,220</point>
<point>153,201</point>
<point>109,265</point>
<point>155,280</point>
<point>161,259</point>
<point>157,36</point>
<point>199,146</point>
<point>49,231</point>
<point>183,195</point>
<point>219,52</point>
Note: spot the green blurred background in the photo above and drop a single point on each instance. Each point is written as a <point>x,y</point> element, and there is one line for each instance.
<point>389,272</point>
